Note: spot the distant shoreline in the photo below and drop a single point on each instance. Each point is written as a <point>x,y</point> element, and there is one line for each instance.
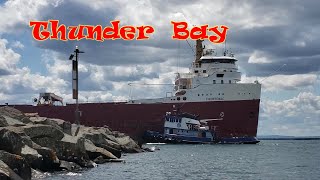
<point>295,138</point>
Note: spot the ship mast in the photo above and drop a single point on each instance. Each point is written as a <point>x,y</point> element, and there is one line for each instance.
<point>199,50</point>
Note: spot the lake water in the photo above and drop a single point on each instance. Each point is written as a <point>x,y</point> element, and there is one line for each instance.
<point>276,159</point>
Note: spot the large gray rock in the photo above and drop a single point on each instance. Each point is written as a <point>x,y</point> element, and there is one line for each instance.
<point>3,121</point>
<point>128,145</point>
<point>69,166</point>
<point>17,163</point>
<point>72,149</point>
<point>10,141</point>
<point>62,125</point>
<point>38,157</point>
<point>94,151</point>
<point>40,130</point>
<point>6,173</point>
<point>100,139</point>
<point>43,135</point>
<point>50,160</point>
<point>14,113</point>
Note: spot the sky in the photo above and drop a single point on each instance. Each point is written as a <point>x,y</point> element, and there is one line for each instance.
<point>276,43</point>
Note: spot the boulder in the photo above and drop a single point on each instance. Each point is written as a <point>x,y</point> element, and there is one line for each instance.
<point>14,113</point>
<point>9,121</point>
<point>72,149</point>
<point>62,125</point>
<point>17,163</point>
<point>10,141</point>
<point>3,122</point>
<point>33,158</point>
<point>40,130</point>
<point>94,151</point>
<point>102,140</point>
<point>43,135</point>
<point>50,161</point>
<point>6,173</point>
<point>128,145</point>
<point>69,166</point>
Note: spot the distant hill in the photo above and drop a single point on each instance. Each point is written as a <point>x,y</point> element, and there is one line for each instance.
<point>280,137</point>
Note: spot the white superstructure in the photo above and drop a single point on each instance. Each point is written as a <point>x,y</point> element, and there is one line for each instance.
<point>211,78</point>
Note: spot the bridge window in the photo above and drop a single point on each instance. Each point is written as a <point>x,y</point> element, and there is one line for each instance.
<point>229,81</point>
<point>184,98</point>
<point>221,81</point>
<point>178,98</point>
<point>220,75</point>
<point>204,71</point>
<point>214,81</point>
<point>196,71</point>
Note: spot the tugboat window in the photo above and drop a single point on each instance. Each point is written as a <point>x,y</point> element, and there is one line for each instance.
<point>196,71</point>
<point>221,81</point>
<point>220,75</point>
<point>178,98</point>
<point>204,71</point>
<point>184,98</point>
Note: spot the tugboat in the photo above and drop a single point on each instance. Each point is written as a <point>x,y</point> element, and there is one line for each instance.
<point>187,128</point>
<point>181,128</point>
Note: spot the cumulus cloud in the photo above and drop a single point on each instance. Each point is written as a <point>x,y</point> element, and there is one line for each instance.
<point>257,57</point>
<point>8,59</point>
<point>284,82</point>
<point>296,116</point>
<point>17,44</point>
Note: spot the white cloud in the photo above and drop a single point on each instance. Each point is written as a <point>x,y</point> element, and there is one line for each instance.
<point>8,58</point>
<point>15,12</point>
<point>17,44</point>
<point>21,82</point>
<point>299,115</point>
<point>259,57</point>
<point>284,82</point>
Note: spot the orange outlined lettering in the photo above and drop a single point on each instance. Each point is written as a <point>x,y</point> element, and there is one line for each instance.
<point>41,32</point>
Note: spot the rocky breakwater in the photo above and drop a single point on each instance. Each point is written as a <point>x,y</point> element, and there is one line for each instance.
<point>30,144</point>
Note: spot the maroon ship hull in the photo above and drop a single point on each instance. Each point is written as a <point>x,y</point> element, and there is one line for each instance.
<point>239,118</point>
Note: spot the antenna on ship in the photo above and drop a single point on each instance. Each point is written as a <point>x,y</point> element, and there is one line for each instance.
<point>225,47</point>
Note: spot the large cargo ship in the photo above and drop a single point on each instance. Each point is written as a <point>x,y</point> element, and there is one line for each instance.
<point>211,89</point>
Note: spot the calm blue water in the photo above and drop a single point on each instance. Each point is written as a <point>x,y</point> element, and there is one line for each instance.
<point>266,160</point>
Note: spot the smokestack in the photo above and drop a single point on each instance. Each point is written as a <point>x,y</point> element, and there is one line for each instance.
<point>199,50</point>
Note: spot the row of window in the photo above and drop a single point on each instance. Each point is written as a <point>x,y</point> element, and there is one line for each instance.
<point>210,94</point>
<point>178,98</point>
<point>174,120</point>
<point>205,71</point>
<point>214,81</point>
<point>219,94</point>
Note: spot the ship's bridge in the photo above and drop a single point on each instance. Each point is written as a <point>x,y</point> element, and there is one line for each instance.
<point>208,69</point>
